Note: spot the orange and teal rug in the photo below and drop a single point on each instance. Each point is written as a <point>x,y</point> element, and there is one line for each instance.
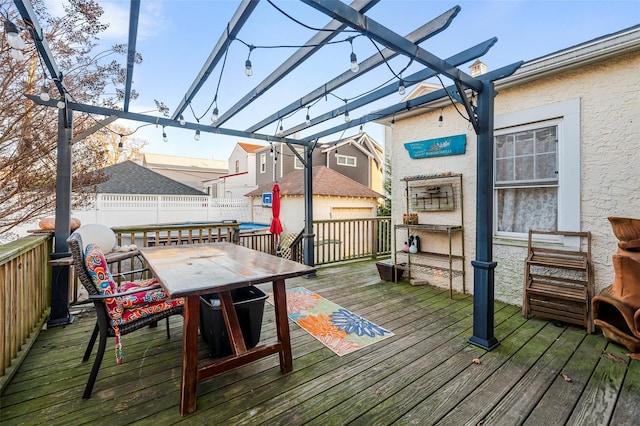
<point>337,328</point>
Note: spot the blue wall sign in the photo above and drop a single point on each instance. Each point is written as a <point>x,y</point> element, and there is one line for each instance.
<point>267,199</point>
<point>440,147</point>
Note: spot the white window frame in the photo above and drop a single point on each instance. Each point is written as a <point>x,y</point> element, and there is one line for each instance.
<point>263,163</point>
<point>566,115</point>
<point>297,164</point>
<point>345,160</point>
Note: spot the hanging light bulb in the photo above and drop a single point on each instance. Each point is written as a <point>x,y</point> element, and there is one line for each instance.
<point>182,121</point>
<point>197,135</point>
<point>336,153</point>
<point>120,145</point>
<point>44,95</point>
<point>393,123</point>
<point>271,152</point>
<point>281,131</point>
<point>354,63</point>
<point>214,116</point>
<point>165,139</point>
<point>440,119</point>
<point>346,116</point>
<point>247,68</point>
<point>61,104</point>
<point>401,88</point>
<point>307,120</point>
<point>13,35</point>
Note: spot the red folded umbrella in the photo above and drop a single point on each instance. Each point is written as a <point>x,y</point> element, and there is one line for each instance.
<point>276,226</point>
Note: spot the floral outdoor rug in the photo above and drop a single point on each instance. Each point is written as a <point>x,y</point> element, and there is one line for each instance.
<point>337,328</point>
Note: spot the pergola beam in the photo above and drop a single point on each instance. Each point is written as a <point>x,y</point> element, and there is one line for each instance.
<point>233,27</point>
<point>413,79</point>
<point>29,16</point>
<point>134,15</point>
<point>411,103</point>
<point>390,39</point>
<point>163,121</point>
<point>331,30</point>
<point>417,36</point>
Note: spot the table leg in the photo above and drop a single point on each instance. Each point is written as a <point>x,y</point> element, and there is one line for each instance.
<point>189,355</point>
<point>282,325</point>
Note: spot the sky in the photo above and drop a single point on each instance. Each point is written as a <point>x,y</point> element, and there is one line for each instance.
<point>175,37</point>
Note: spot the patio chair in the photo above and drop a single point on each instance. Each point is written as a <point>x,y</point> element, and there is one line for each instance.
<point>119,309</point>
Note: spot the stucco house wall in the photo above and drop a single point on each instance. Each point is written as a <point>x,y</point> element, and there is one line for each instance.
<point>607,96</point>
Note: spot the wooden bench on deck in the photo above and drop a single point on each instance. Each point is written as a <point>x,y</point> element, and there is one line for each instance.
<point>558,279</point>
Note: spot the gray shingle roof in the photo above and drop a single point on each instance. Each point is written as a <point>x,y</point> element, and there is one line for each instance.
<point>130,178</point>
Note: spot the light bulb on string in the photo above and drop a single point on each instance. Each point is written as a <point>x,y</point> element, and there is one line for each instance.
<point>307,119</point>
<point>13,35</point>
<point>281,131</point>
<point>182,121</point>
<point>346,116</point>
<point>336,153</point>
<point>393,123</point>
<point>401,88</point>
<point>214,116</point>
<point>197,135</point>
<point>354,59</point>
<point>44,94</point>
<point>165,139</point>
<point>120,144</point>
<point>248,70</point>
<point>440,119</point>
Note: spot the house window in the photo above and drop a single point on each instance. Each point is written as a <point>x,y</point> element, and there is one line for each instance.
<point>297,164</point>
<point>263,163</point>
<point>237,166</point>
<point>537,169</point>
<point>345,160</point>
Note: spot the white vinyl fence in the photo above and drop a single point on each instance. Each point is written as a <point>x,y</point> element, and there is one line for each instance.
<point>127,210</point>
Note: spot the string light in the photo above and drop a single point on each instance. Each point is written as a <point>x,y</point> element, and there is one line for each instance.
<point>354,59</point>
<point>214,116</point>
<point>336,153</point>
<point>44,94</point>
<point>401,88</point>
<point>197,135</point>
<point>182,121</point>
<point>307,119</point>
<point>165,139</point>
<point>440,119</point>
<point>248,70</point>
<point>120,144</point>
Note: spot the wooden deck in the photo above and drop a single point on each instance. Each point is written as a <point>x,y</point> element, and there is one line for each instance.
<point>541,374</point>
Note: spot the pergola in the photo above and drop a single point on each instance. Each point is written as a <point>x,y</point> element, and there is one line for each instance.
<point>342,16</point>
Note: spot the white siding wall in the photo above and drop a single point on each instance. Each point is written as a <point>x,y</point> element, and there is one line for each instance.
<point>609,95</point>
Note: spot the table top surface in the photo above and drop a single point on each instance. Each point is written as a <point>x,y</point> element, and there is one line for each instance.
<point>193,269</point>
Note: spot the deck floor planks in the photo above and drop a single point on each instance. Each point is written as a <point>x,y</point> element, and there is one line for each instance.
<point>299,406</point>
<point>597,402</point>
<point>412,394</point>
<point>627,411</point>
<point>412,372</point>
<point>518,403</point>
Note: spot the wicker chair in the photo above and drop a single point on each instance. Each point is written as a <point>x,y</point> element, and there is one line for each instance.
<point>106,325</point>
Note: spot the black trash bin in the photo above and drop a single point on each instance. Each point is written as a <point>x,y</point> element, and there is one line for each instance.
<point>249,304</point>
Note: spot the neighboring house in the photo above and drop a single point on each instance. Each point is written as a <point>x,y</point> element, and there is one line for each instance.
<point>188,170</point>
<point>335,196</point>
<point>566,154</point>
<point>241,176</point>
<point>358,157</point>
<point>136,195</point>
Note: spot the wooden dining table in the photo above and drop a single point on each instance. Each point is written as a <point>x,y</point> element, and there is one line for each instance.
<point>193,270</point>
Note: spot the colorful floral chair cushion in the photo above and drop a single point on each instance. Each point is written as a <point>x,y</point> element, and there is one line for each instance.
<point>123,309</point>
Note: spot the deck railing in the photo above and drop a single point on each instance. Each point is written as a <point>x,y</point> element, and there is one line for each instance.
<point>346,239</point>
<point>25,294</point>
